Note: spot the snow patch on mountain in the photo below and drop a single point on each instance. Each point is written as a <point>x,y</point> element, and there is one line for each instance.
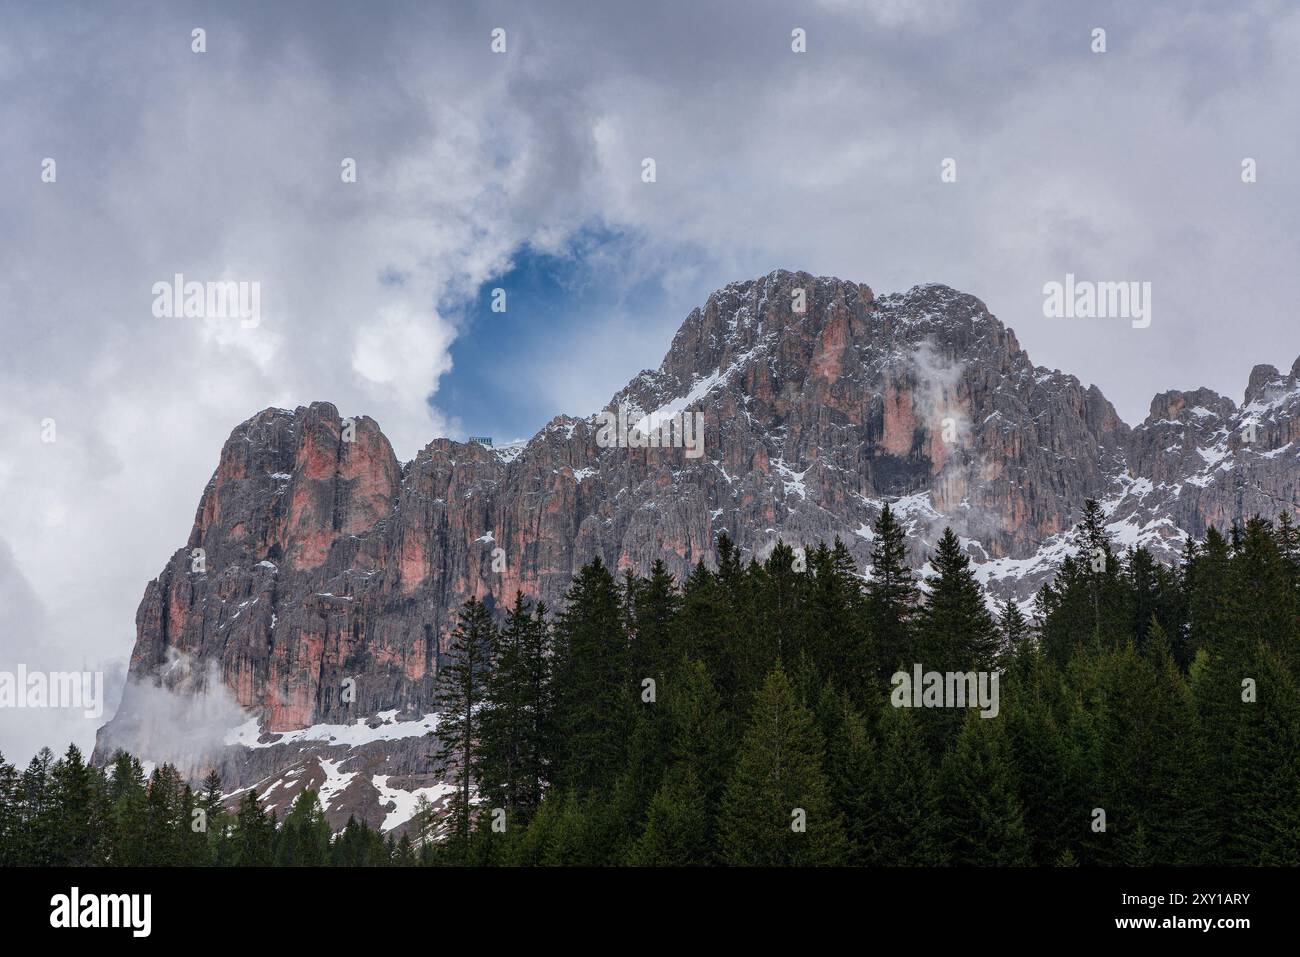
<point>404,801</point>
<point>335,780</point>
<point>353,735</point>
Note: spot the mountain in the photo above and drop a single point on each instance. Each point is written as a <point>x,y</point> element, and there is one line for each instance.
<point>300,651</point>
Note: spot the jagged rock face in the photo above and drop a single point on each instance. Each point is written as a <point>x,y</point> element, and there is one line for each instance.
<point>812,421</point>
<point>325,559</point>
<point>1201,461</point>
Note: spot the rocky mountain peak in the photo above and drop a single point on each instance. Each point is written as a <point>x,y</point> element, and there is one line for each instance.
<point>742,318</point>
<point>1267,385</point>
<point>326,559</point>
<point>1190,406</point>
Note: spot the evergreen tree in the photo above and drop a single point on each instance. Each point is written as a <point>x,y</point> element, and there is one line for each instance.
<point>777,588</point>
<point>193,826</point>
<point>216,820</point>
<point>700,743</point>
<point>10,815</point>
<point>716,623</point>
<point>303,839</point>
<point>253,838</point>
<point>678,825</point>
<point>777,809</point>
<point>404,854</point>
<point>516,716</point>
<point>594,694</point>
<point>358,846</point>
<point>1087,605</point>
<point>730,650</point>
<point>75,840</point>
<point>1140,572</point>
<point>1095,556</point>
<point>694,711</point>
<point>620,818</point>
<point>532,847</point>
<point>1145,770</point>
<point>911,827</point>
<point>851,771</point>
<point>956,632</point>
<point>461,689</point>
<point>984,818</point>
<point>1182,830</point>
<point>162,830</point>
<point>1288,546</point>
<point>1169,697</point>
<point>1263,784</point>
<point>1063,606</point>
<point>891,598</point>
<point>1206,581</point>
<point>1261,605</point>
<point>39,819</point>
<point>423,827</point>
<point>655,605</point>
<point>834,618</point>
<point>129,813</point>
<point>1236,618</point>
<point>344,851</point>
<point>1014,631</point>
<point>573,838</point>
<point>1048,767</point>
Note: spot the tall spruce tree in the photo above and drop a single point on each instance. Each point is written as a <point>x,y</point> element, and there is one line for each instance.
<point>39,819</point>
<point>216,820</point>
<point>741,658</point>
<point>622,814</point>
<point>1206,581</point>
<point>1288,546</point>
<point>253,837</point>
<point>460,691</point>
<point>1156,595</point>
<point>516,716</point>
<point>1262,784</point>
<point>357,846</point>
<point>303,839</point>
<point>955,630</point>
<point>594,692</point>
<point>1047,763</point>
<point>10,815</point>
<point>891,597</point>
<point>129,812</point>
<point>777,809</point>
<point>1087,605</point>
<point>162,831</point>
<point>1182,831</point>
<point>984,817</point>
<point>834,619</point>
<point>655,607</point>
<point>850,771</point>
<point>678,825</point>
<point>911,824</point>
<point>778,590</point>
<point>1144,766</point>
<point>192,824</point>
<point>76,837</point>
<point>1261,604</point>
<point>1013,630</point>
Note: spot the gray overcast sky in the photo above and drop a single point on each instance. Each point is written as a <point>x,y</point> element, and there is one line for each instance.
<point>1116,166</point>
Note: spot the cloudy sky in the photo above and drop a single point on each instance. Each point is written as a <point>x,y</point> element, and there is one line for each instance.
<point>522,170</point>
